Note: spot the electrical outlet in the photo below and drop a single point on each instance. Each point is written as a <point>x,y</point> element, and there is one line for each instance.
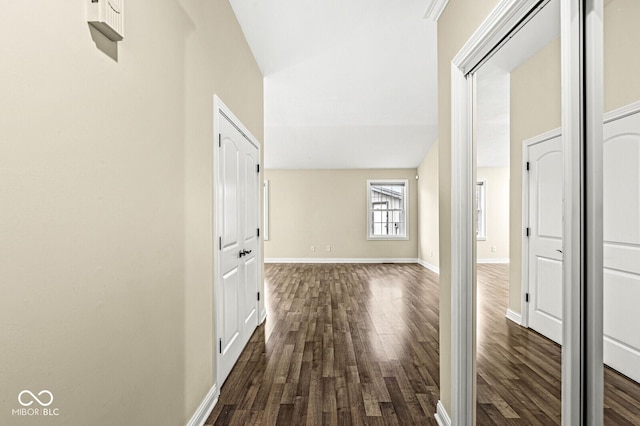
<point>313,248</point>
<point>493,249</point>
<point>327,248</point>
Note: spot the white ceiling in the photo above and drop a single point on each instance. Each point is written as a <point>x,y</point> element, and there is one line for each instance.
<point>348,84</point>
<point>492,113</point>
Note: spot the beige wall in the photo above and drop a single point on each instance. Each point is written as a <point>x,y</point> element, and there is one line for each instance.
<point>535,109</point>
<point>621,59</point>
<point>457,23</point>
<point>329,207</point>
<point>105,226</point>
<point>428,210</point>
<point>497,216</point>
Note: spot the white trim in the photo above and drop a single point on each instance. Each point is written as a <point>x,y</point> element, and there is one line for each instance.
<point>514,316</point>
<point>524,270</point>
<point>592,167</point>
<point>405,209</point>
<point>435,9</point>
<point>570,39</point>
<point>493,31</point>
<point>463,246</point>
<point>442,417</point>
<point>496,260</point>
<point>429,266</point>
<point>263,315</point>
<point>582,115</point>
<point>219,108</point>
<point>205,408</point>
<point>338,260</point>
<point>524,277</point>
<point>617,114</point>
<point>553,133</point>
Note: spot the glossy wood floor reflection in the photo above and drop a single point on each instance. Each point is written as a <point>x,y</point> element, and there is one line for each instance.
<point>345,344</point>
<point>519,370</point>
<point>358,344</point>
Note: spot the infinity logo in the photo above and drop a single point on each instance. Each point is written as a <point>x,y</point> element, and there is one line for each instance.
<point>26,404</point>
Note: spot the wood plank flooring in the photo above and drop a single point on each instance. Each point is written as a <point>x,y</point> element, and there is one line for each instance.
<point>358,344</point>
<point>342,344</point>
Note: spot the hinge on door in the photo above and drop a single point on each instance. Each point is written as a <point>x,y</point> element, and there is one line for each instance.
<point>258,296</point>
<point>220,141</point>
<point>257,168</point>
<point>258,231</point>
<point>220,243</point>
<point>220,345</point>
<point>527,166</point>
<point>528,231</point>
<point>526,297</point>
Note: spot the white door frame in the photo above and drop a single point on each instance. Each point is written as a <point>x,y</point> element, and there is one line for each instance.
<point>582,382</point>
<point>524,308</point>
<point>582,108</point>
<point>219,108</point>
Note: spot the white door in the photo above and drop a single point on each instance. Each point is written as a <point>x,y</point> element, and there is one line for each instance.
<point>545,237</point>
<point>621,230</point>
<point>239,269</point>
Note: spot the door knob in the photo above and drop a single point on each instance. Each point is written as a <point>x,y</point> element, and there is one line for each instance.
<point>244,252</point>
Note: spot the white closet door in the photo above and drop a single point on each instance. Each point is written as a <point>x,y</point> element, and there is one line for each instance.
<point>622,245</point>
<point>238,243</point>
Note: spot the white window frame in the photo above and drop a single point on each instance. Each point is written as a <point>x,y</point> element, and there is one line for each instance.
<point>481,209</point>
<point>266,210</point>
<point>405,183</point>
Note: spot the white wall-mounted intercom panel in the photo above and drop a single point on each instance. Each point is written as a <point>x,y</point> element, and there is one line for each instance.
<point>107,16</point>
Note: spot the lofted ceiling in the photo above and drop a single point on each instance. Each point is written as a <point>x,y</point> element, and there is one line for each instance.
<point>348,84</point>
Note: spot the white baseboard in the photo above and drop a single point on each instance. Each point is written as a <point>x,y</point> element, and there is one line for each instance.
<point>441,415</point>
<point>429,266</point>
<point>493,260</point>
<point>205,408</point>
<point>263,316</point>
<point>338,260</point>
<point>515,317</point>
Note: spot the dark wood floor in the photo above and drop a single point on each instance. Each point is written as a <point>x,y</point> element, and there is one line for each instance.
<point>358,344</point>
<point>345,344</point>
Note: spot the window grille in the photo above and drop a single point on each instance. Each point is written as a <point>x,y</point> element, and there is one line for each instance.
<point>387,209</point>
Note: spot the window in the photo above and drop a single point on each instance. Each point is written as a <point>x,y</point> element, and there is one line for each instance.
<point>387,209</point>
<point>266,210</point>
<point>481,214</point>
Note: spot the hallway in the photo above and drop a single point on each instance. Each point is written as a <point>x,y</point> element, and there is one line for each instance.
<point>345,344</point>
